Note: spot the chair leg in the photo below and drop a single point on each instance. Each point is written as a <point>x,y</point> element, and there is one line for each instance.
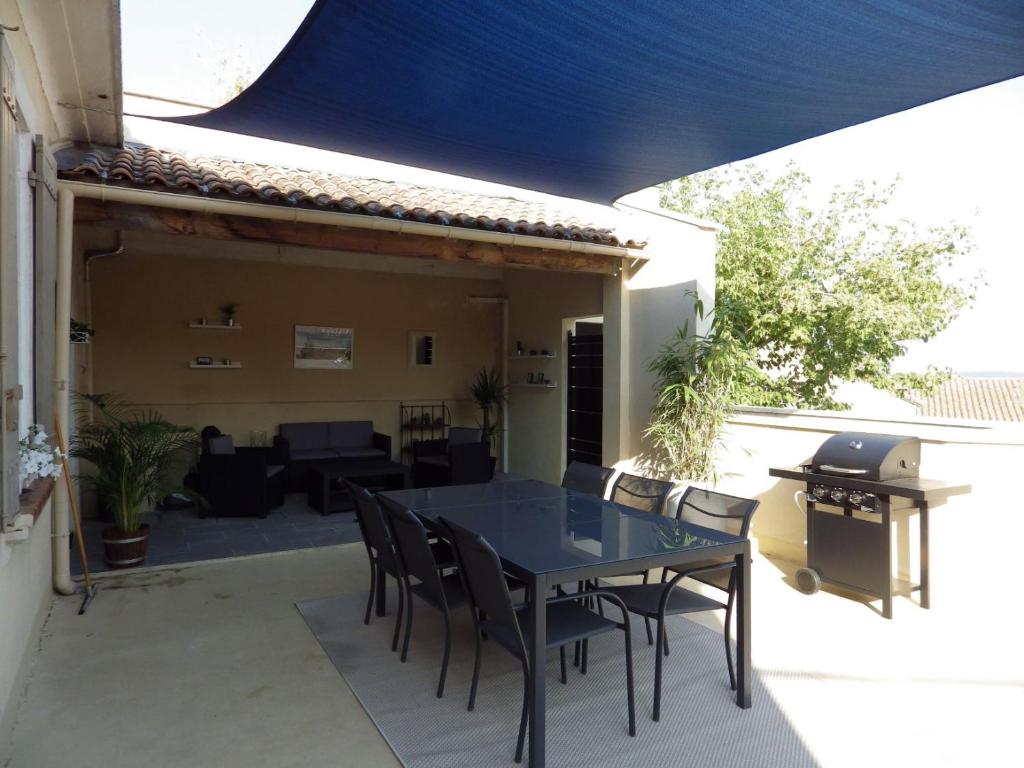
<point>728,641</point>
<point>447,654</point>
<point>583,662</point>
<point>576,654</point>
<point>525,714</point>
<point>561,658</point>
<point>630,697</point>
<point>408,631</point>
<point>373,590</point>
<point>664,628</point>
<point>477,632</point>
<point>650,635</point>
<point>398,616</point>
<point>657,670</point>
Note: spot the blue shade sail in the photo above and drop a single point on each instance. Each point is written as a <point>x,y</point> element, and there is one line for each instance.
<point>592,99</point>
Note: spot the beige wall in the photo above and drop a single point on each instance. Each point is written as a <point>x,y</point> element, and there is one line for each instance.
<point>538,302</point>
<point>25,597</point>
<point>142,303</point>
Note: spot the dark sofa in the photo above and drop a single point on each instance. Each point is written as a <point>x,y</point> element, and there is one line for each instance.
<point>462,458</point>
<point>328,440</point>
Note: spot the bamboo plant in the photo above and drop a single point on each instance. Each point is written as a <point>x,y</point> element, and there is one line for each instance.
<point>132,449</point>
<point>699,379</point>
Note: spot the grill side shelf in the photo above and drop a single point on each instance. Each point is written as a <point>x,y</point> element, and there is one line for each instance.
<point>917,488</point>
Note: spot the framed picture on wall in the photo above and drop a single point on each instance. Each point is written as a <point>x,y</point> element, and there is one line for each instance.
<point>317,346</point>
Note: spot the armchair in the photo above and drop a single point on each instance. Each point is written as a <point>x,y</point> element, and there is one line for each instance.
<point>462,458</point>
<point>238,482</point>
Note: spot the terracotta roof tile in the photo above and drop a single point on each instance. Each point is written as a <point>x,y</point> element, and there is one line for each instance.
<point>142,166</point>
<point>996,399</point>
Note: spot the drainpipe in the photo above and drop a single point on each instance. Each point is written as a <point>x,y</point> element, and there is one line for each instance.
<point>90,257</point>
<point>61,544</point>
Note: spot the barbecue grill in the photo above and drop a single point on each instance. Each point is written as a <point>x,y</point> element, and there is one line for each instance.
<point>853,484</point>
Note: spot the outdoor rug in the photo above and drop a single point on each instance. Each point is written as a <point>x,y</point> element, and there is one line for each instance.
<point>586,719</point>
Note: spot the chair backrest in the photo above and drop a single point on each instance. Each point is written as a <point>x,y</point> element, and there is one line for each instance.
<point>484,578</point>
<point>729,514</point>
<point>413,548</point>
<point>587,478</point>
<point>469,463</point>
<point>220,445</point>
<point>371,524</point>
<point>641,492</point>
<point>463,435</point>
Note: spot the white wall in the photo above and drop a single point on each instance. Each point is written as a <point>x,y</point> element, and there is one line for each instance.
<point>974,538</point>
<point>25,556</point>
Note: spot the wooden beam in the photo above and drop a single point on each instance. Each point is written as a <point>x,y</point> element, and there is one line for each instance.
<point>172,221</point>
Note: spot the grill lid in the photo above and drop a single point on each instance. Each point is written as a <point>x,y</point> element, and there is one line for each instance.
<point>868,456</point>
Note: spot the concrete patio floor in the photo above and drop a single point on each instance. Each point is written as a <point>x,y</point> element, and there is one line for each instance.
<point>211,665</point>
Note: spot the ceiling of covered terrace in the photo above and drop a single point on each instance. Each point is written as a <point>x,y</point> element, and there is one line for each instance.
<point>592,99</point>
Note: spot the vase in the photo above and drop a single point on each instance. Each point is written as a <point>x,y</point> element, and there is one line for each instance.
<point>125,549</point>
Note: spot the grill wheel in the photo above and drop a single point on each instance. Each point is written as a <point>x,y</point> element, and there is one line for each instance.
<point>808,581</point>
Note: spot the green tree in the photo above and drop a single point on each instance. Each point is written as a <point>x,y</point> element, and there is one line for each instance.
<point>824,296</point>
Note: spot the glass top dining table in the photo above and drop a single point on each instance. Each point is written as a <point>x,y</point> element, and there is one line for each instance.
<point>546,535</point>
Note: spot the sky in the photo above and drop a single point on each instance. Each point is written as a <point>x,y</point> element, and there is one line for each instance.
<point>960,159</point>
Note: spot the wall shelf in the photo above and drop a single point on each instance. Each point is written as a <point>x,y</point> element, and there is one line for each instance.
<point>216,325</point>
<point>527,385</point>
<point>194,364</point>
<point>532,357</point>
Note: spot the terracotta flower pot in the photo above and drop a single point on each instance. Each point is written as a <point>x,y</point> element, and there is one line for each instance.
<point>125,549</point>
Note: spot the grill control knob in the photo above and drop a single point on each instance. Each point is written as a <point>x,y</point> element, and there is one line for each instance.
<point>856,497</point>
<point>838,494</point>
<point>820,492</point>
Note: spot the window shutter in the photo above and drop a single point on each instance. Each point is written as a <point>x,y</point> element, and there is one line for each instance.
<point>45,258</point>
<point>10,483</point>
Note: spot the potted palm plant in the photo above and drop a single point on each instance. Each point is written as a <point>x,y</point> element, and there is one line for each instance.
<point>133,451</point>
<point>489,394</point>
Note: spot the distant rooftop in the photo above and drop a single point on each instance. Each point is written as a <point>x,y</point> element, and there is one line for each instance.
<point>994,398</point>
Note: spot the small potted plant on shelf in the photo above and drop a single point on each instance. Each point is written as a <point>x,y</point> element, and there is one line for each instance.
<point>80,332</point>
<point>228,312</point>
<point>133,451</point>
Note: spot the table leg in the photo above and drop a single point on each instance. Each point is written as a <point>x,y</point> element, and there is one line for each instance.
<point>743,629</point>
<point>382,597</point>
<point>887,589</point>
<point>923,521</point>
<point>537,646</point>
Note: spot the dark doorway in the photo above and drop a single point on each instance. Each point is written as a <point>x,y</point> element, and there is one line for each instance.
<point>585,371</point>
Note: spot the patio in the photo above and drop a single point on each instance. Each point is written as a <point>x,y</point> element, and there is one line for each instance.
<point>855,689</point>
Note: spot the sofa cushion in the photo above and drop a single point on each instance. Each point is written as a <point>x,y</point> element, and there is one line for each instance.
<point>314,454</point>
<point>463,435</point>
<point>434,461</point>
<point>350,434</point>
<point>306,435</point>
<point>221,445</point>
<point>359,453</point>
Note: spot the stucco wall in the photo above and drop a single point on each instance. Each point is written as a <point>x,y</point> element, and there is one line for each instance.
<point>974,538</point>
<point>25,597</point>
<point>538,302</point>
<point>142,304</point>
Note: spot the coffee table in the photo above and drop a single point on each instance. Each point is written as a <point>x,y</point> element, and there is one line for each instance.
<point>327,493</point>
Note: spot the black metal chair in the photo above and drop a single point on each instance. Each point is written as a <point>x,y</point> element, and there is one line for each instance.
<point>379,549</point>
<point>648,495</point>
<point>416,559</point>
<point>731,514</point>
<point>587,478</point>
<point>642,493</point>
<point>494,613</point>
